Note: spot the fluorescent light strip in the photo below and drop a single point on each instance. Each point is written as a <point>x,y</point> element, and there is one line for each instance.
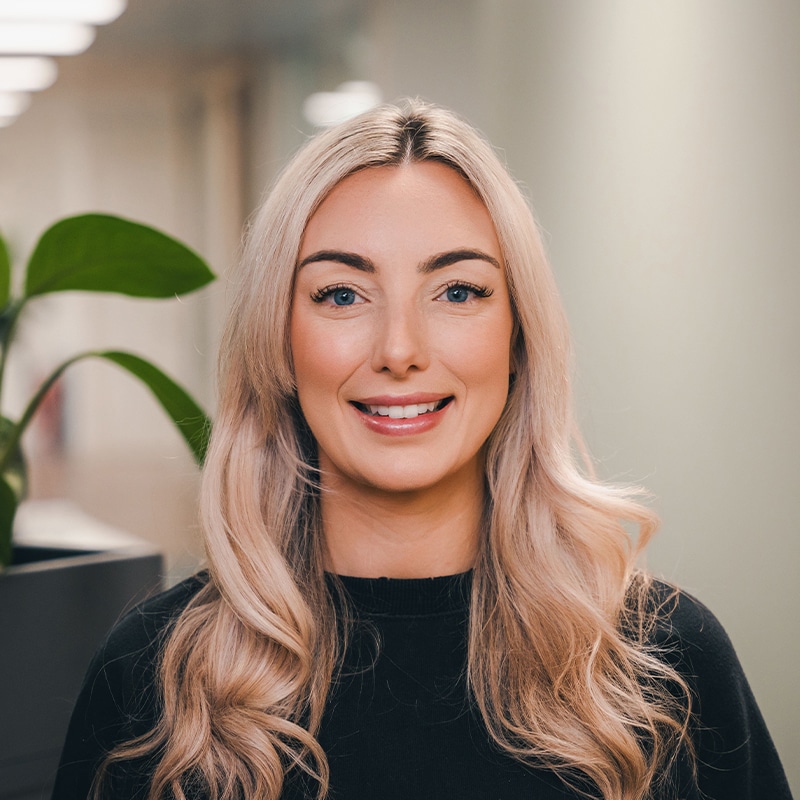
<point>13,103</point>
<point>324,109</point>
<point>45,38</point>
<point>26,73</point>
<point>32,29</point>
<point>96,12</point>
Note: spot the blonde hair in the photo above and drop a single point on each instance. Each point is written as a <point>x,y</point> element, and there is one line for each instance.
<point>559,663</point>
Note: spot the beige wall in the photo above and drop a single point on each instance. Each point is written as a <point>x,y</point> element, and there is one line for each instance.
<point>659,143</point>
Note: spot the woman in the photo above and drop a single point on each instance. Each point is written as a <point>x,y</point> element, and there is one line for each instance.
<point>412,590</point>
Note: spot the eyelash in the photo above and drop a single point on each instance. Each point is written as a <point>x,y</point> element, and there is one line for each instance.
<point>321,295</point>
<point>478,291</point>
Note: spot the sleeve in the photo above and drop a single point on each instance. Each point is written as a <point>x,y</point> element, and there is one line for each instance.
<point>118,701</point>
<point>112,707</point>
<point>735,756</point>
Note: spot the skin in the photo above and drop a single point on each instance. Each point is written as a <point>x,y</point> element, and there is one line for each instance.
<point>400,300</point>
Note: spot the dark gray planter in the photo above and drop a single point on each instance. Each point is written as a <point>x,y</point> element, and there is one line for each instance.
<point>56,605</point>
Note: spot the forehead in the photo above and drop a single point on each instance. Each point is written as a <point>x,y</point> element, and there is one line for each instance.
<point>428,200</point>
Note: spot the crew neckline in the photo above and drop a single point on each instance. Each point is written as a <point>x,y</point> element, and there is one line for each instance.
<point>408,596</point>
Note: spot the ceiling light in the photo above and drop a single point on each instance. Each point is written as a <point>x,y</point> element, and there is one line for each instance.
<point>13,103</point>
<point>350,99</point>
<point>26,73</point>
<point>45,38</point>
<point>97,12</point>
<point>31,29</point>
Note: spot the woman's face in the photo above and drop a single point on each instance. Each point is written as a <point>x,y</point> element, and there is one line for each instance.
<point>401,329</point>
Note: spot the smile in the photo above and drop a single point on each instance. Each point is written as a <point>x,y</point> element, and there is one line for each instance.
<point>411,411</point>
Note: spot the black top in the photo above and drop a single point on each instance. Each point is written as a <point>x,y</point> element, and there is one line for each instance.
<point>398,723</point>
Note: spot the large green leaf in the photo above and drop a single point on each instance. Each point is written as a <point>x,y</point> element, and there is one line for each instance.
<point>190,419</point>
<point>5,274</point>
<point>8,508</point>
<point>102,253</point>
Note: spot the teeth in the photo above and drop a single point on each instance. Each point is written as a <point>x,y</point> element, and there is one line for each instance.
<point>402,412</point>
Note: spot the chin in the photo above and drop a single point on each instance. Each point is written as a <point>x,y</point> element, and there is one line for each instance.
<point>417,477</point>
<point>401,483</point>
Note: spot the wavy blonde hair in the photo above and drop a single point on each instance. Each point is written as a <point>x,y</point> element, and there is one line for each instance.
<point>559,663</point>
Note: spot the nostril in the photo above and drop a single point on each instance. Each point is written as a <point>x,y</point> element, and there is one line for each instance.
<point>402,344</point>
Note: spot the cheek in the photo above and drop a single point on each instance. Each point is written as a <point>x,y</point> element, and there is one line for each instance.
<point>482,356</point>
<point>322,361</point>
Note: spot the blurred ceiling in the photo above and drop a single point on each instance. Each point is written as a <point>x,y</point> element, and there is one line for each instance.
<point>221,26</point>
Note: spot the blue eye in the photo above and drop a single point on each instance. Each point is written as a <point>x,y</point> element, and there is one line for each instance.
<point>343,297</point>
<point>336,296</point>
<point>461,292</point>
<point>458,294</point>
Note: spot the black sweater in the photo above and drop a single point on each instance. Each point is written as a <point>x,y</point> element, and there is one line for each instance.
<point>398,723</point>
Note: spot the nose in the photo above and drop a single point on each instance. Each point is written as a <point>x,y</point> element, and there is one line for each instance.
<point>400,342</point>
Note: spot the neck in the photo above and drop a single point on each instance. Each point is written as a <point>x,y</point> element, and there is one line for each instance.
<point>370,533</point>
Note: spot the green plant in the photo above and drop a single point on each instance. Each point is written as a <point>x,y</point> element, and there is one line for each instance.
<point>95,253</point>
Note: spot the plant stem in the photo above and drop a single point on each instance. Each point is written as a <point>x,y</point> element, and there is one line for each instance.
<point>11,315</point>
<point>19,428</point>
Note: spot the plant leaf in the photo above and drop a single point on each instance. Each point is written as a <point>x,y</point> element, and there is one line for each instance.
<point>8,508</point>
<point>14,470</point>
<point>5,274</point>
<point>103,253</point>
<point>192,422</point>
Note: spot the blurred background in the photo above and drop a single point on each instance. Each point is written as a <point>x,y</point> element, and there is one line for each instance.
<point>660,146</point>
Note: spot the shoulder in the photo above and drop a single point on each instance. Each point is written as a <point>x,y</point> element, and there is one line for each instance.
<point>735,755</point>
<point>119,699</point>
<point>127,661</point>
<point>683,624</point>
<point>689,637</point>
<point>151,619</point>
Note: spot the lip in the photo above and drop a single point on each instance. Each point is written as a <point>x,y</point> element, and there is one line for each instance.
<point>390,426</point>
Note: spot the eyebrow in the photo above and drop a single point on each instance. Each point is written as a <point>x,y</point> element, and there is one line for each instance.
<point>340,257</point>
<point>431,264</point>
<point>453,257</point>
